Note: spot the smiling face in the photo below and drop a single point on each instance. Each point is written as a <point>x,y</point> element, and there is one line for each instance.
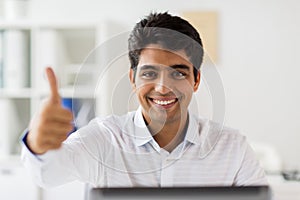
<point>164,84</point>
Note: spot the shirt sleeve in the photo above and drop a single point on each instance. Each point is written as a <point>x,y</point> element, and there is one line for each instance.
<point>70,162</point>
<point>25,145</point>
<point>48,169</point>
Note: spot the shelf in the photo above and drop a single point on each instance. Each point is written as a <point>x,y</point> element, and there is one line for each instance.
<point>79,93</point>
<point>23,93</point>
<point>66,45</point>
<point>19,24</point>
<point>28,24</point>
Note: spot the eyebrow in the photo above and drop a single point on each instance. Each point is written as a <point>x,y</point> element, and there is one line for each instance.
<point>179,66</point>
<point>145,67</point>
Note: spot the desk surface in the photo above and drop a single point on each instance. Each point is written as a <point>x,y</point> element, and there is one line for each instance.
<point>284,190</point>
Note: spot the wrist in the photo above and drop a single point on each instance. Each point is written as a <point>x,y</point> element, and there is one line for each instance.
<point>29,142</point>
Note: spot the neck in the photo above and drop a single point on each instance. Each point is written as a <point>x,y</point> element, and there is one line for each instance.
<point>170,134</point>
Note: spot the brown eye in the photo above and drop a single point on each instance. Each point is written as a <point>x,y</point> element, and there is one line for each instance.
<point>178,75</point>
<point>149,75</point>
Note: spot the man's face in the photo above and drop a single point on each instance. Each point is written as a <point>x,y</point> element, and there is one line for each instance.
<point>164,84</point>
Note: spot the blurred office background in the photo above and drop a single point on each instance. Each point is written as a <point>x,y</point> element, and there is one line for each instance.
<point>256,51</point>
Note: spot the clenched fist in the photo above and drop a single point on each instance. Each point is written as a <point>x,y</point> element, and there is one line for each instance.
<point>52,124</point>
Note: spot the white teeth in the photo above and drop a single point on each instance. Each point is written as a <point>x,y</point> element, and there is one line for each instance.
<point>163,102</point>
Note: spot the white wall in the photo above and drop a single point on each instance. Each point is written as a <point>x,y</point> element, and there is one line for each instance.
<point>259,57</point>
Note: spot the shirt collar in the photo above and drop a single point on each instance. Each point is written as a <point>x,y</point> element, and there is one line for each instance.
<point>192,134</point>
<point>200,132</point>
<point>206,134</point>
<point>141,133</point>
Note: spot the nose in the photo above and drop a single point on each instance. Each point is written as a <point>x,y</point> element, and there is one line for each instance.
<point>163,84</point>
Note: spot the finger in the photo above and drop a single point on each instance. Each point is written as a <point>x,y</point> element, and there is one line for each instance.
<point>54,95</point>
<point>59,132</point>
<point>52,145</point>
<point>59,114</point>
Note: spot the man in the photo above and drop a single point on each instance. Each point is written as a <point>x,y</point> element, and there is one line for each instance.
<point>161,144</point>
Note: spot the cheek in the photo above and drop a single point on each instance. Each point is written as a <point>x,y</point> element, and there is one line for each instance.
<point>184,88</point>
<point>142,89</point>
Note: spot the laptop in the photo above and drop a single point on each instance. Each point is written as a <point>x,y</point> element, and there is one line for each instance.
<point>178,193</point>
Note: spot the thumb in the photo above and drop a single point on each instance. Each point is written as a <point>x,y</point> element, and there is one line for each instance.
<point>54,94</point>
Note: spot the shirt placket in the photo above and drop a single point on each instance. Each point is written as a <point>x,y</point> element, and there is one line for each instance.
<point>167,171</point>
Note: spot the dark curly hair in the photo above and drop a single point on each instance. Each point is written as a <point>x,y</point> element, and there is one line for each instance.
<point>171,32</point>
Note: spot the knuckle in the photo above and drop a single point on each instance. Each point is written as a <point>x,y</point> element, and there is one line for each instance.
<point>68,129</point>
<point>69,115</point>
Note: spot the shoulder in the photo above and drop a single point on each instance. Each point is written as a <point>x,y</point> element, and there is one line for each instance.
<point>219,137</point>
<point>215,128</point>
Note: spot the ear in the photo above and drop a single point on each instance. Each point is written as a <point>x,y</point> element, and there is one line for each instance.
<point>131,78</point>
<point>197,81</point>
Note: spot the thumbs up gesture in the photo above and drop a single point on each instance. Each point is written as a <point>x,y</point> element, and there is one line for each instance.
<point>52,124</point>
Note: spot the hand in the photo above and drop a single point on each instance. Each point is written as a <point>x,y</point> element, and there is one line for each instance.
<point>52,123</point>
